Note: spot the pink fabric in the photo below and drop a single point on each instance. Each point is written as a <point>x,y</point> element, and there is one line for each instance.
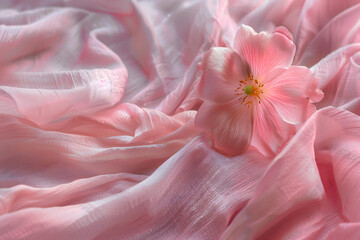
<point>98,139</point>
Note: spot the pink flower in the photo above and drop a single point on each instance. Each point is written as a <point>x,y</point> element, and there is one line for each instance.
<point>252,94</point>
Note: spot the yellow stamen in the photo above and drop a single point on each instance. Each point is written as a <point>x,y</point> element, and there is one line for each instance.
<point>249,87</point>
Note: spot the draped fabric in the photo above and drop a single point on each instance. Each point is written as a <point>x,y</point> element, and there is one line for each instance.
<point>97,136</point>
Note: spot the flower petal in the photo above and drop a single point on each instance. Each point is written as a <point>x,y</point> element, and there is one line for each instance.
<point>264,51</point>
<point>295,79</point>
<point>222,68</point>
<point>229,125</point>
<point>291,108</point>
<point>270,131</point>
<point>288,89</point>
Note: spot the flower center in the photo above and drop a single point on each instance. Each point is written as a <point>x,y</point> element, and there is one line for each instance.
<point>251,89</point>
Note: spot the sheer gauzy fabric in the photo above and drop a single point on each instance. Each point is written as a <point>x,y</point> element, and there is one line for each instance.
<point>97,136</point>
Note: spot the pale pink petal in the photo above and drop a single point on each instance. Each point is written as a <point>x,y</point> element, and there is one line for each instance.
<point>288,90</point>
<point>229,125</point>
<point>222,69</point>
<point>291,108</point>
<point>264,51</point>
<point>295,79</point>
<point>270,131</point>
